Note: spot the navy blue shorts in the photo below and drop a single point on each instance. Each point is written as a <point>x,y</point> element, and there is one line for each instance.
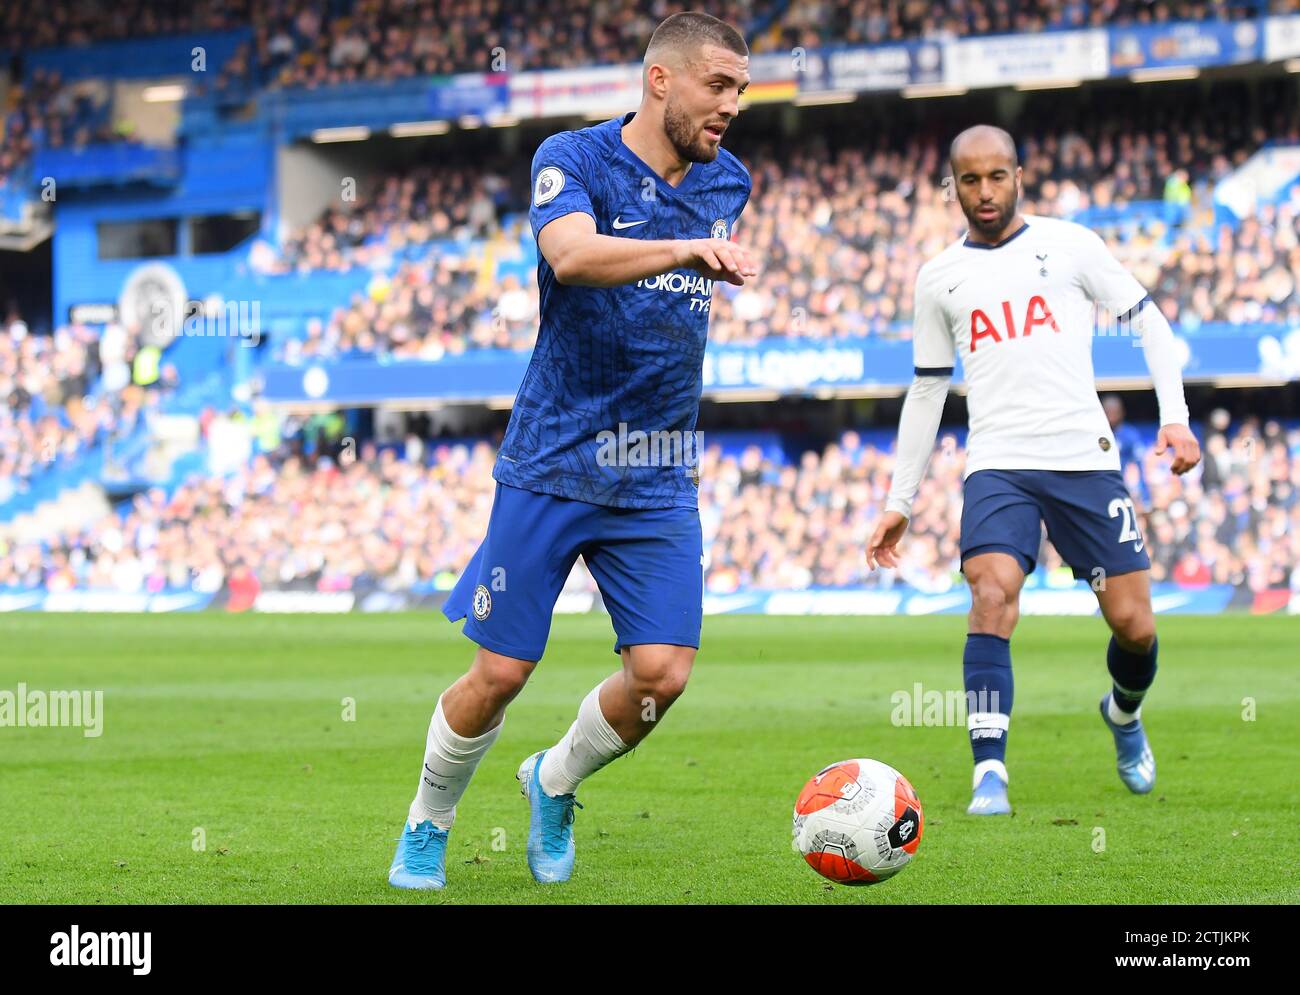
<point>1089,516</point>
<point>647,564</point>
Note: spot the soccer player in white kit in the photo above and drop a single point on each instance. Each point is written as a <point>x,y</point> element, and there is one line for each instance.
<point>1017,299</point>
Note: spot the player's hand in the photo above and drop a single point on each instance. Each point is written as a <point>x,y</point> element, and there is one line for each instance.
<point>882,551</point>
<point>1179,438</point>
<point>718,259</point>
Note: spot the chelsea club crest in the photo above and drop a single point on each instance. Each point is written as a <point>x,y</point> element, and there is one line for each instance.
<point>719,229</point>
<point>482,603</point>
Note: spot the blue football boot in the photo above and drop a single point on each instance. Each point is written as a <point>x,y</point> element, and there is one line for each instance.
<point>990,797</point>
<point>421,858</point>
<point>1133,757</point>
<point>550,825</point>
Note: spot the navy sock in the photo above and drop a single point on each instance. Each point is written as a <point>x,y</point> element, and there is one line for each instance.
<point>1132,674</point>
<point>986,666</point>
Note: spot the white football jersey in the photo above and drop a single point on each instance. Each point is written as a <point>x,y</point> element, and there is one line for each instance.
<point>1020,316</point>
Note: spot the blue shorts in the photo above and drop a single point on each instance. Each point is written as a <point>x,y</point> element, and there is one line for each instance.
<point>647,564</point>
<point>1089,516</point>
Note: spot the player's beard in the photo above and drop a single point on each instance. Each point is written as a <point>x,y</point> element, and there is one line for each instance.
<point>991,229</point>
<point>685,137</point>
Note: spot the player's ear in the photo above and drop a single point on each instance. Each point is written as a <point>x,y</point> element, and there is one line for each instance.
<point>656,79</point>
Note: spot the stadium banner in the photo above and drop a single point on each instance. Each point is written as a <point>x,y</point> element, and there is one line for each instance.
<point>1189,43</point>
<point>475,376</point>
<point>1042,596</point>
<point>41,600</point>
<point>1281,38</point>
<point>798,365</point>
<point>772,77</point>
<point>1002,60</point>
<point>299,113</point>
<point>471,95</point>
<point>603,90</point>
<point>874,67</point>
<point>608,90</point>
<point>1036,599</point>
<point>786,366</point>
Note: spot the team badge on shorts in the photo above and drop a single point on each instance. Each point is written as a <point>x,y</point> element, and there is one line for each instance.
<point>719,229</point>
<point>1104,443</point>
<point>482,603</point>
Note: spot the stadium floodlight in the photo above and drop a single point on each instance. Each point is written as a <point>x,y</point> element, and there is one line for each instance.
<point>815,98</point>
<point>1167,74</point>
<point>418,129</point>
<point>323,136</point>
<point>164,93</point>
<point>934,90</point>
<point>1048,84</point>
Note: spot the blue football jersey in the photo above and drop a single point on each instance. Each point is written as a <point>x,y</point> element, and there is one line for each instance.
<point>606,412</point>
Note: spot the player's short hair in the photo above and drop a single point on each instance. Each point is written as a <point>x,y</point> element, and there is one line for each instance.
<point>988,131</point>
<point>683,35</point>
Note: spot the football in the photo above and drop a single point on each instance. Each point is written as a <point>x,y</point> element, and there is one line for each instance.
<point>857,822</point>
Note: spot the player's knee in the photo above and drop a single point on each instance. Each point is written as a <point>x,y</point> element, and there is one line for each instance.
<point>1134,628</point>
<point>994,608</point>
<point>661,676</point>
<point>500,678</point>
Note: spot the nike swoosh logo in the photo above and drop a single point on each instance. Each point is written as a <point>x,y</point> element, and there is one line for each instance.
<point>620,224</point>
<point>955,286</point>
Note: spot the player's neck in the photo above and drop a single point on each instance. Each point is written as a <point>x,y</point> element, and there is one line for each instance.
<point>1016,224</point>
<point>648,141</point>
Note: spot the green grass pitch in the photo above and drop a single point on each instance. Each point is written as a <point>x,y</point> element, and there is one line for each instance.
<point>231,730</point>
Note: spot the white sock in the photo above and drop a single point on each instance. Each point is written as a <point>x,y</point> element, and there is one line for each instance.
<point>984,766</point>
<point>449,763</point>
<point>1118,715</point>
<point>588,746</point>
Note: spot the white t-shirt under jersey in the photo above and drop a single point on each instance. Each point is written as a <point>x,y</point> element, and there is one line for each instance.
<point>1021,317</point>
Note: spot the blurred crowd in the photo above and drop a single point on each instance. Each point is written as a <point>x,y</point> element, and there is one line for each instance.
<point>62,393</point>
<point>310,42</point>
<point>45,112</point>
<point>84,22</point>
<point>410,209</point>
<point>314,43</point>
<point>305,44</point>
<point>326,516</point>
<point>859,22</point>
<point>841,226</point>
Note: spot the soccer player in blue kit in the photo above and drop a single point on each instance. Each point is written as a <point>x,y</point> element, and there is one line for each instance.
<point>633,220</point>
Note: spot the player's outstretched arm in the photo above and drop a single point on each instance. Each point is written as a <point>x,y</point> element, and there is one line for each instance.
<point>580,256</point>
<point>1106,280</point>
<point>1159,348</point>
<point>918,427</point>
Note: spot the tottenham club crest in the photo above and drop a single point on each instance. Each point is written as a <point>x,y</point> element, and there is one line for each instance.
<point>550,181</point>
<point>719,229</point>
<point>482,603</point>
